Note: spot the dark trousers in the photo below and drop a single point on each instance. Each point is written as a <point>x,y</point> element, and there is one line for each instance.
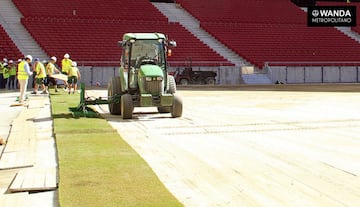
<point>11,82</point>
<point>4,83</point>
<point>1,80</point>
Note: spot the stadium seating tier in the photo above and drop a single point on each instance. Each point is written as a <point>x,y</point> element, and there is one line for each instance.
<point>258,30</point>
<point>7,47</point>
<point>89,30</point>
<point>265,31</point>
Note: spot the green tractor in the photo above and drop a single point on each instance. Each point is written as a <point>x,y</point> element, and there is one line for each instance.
<point>143,79</point>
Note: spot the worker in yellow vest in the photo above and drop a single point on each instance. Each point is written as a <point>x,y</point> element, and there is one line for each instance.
<point>6,74</point>
<point>50,70</point>
<point>12,73</point>
<point>2,73</point>
<point>74,76</point>
<point>23,76</point>
<point>66,65</point>
<point>40,77</point>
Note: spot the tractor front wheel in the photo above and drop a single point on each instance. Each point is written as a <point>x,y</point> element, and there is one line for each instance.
<point>127,106</point>
<point>176,107</point>
<point>114,88</point>
<point>171,84</point>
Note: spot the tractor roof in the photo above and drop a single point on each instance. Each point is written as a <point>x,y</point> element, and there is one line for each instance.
<point>143,36</point>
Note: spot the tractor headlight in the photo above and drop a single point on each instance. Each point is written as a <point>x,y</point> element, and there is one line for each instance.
<point>154,78</point>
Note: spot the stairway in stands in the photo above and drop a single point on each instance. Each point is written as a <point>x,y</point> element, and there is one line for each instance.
<point>10,20</point>
<point>177,14</point>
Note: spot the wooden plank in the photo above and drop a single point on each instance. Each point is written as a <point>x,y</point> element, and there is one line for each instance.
<point>60,77</point>
<point>2,147</point>
<point>14,200</point>
<point>17,182</point>
<point>34,179</point>
<point>51,177</point>
<point>13,160</point>
<point>6,177</point>
<point>17,104</point>
<point>23,199</point>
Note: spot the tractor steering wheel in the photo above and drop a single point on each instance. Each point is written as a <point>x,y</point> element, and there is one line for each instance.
<point>144,60</point>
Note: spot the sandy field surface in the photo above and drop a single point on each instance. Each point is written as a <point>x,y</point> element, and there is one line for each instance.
<point>253,146</point>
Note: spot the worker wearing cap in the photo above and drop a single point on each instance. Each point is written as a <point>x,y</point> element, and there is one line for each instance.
<point>12,73</point>
<point>50,70</point>
<point>2,73</point>
<point>40,77</point>
<point>17,70</point>
<point>6,75</point>
<point>23,76</point>
<point>66,65</point>
<point>74,76</point>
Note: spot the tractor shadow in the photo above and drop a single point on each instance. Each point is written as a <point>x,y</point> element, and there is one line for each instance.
<point>138,116</point>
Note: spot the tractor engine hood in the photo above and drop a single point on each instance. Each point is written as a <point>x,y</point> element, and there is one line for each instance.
<point>151,71</point>
<point>151,78</point>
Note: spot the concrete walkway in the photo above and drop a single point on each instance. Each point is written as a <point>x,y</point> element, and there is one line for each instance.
<point>28,164</point>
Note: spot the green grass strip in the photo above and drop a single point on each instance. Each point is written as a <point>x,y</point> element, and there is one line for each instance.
<point>97,167</point>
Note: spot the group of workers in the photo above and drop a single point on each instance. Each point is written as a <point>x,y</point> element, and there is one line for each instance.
<point>43,73</point>
<point>8,74</point>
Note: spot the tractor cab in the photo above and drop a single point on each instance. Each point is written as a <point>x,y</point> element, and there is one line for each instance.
<point>143,59</point>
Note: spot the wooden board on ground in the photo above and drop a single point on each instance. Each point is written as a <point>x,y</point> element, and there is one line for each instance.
<point>15,159</point>
<point>14,200</point>
<point>34,179</point>
<point>18,104</point>
<point>60,77</point>
<point>6,177</point>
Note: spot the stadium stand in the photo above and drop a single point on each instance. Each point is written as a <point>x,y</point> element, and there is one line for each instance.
<point>89,30</point>
<point>7,47</point>
<point>262,31</point>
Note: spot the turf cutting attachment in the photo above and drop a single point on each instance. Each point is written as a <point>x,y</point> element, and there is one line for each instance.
<point>82,110</point>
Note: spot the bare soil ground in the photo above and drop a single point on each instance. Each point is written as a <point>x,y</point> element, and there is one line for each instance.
<point>278,145</point>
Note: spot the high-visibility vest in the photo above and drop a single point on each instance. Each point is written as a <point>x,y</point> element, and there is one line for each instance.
<point>6,73</point>
<point>73,72</point>
<point>12,70</point>
<point>40,70</point>
<point>1,68</point>
<point>66,65</point>
<point>50,67</point>
<point>22,75</point>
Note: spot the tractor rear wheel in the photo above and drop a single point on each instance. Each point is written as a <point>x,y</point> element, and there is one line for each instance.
<point>176,110</point>
<point>127,106</point>
<point>114,88</point>
<point>184,81</point>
